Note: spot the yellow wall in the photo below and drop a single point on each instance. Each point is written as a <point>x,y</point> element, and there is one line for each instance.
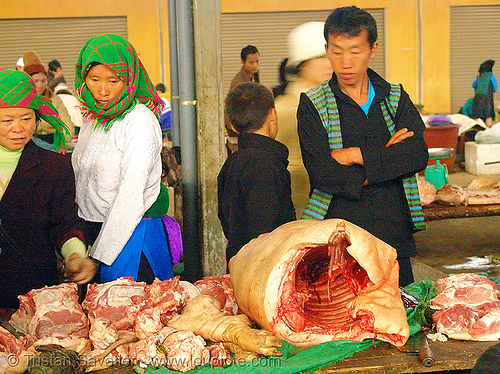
<point>436,51</point>
<point>401,30</point>
<point>402,39</point>
<point>142,21</point>
<point>402,44</point>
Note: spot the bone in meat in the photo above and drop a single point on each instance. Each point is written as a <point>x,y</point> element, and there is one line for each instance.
<point>118,302</point>
<point>466,289</point>
<point>468,307</point>
<point>51,312</point>
<point>222,289</point>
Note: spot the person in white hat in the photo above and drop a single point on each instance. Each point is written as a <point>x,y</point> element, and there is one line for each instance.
<point>308,66</point>
<point>20,64</point>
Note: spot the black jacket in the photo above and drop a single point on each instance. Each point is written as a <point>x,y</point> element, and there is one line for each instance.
<point>254,190</point>
<point>39,212</point>
<point>380,207</point>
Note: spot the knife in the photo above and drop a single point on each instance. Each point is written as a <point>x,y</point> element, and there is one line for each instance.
<point>418,344</point>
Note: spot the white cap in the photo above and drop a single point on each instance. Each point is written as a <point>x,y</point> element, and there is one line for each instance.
<point>20,62</point>
<point>60,86</point>
<point>306,42</point>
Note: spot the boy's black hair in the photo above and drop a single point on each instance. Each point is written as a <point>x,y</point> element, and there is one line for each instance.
<point>351,20</point>
<point>248,50</point>
<point>160,87</point>
<point>54,64</point>
<point>247,106</point>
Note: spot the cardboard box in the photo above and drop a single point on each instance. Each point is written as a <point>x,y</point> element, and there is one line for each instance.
<point>482,159</point>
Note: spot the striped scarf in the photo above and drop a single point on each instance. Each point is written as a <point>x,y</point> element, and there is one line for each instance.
<point>119,55</point>
<point>325,103</point>
<point>17,89</point>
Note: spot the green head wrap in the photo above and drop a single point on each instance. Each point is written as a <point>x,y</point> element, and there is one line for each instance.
<point>119,55</point>
<point>17,89</point>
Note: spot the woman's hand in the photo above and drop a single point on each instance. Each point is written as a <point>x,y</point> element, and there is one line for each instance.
<point>80,270</point>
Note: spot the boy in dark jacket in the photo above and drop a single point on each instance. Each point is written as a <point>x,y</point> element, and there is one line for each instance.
<point>254,183</point>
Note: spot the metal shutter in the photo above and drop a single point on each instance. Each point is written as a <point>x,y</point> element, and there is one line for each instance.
<point>53,38</point>
<point>268,32</point>
<point>472,40</point>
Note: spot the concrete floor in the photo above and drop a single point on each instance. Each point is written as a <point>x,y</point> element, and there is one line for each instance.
<point>459,245</point>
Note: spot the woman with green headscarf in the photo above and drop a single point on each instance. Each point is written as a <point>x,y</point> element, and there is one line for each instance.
<point>117,161</point>
<point>37,197</point>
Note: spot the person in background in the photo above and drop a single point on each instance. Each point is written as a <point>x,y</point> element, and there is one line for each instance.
<point>484,85</point>
<point>362,141</point>
<point>249,72</point>
<point>38,212</point>
<point>282,78</point>
<point>308,66</point>
<point>55,75</point>
<point>117,162</point>
<point>166,114</point>
<point>253,185</point>
<point>20,64</point>
<point>34,67</point>
<point>72,105</point>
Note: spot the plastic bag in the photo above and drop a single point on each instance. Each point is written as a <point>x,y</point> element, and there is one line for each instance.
<point>489,136</point>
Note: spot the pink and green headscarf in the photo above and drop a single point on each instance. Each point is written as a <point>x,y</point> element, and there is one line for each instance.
<point>119,55</point>
<point>17,89</point>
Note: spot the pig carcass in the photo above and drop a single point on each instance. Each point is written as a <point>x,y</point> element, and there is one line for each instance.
<point>311,282</point>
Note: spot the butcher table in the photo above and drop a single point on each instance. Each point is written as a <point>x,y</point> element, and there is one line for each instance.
<point>435,211</point>
<point>384,358</point>
<point>460,356</point>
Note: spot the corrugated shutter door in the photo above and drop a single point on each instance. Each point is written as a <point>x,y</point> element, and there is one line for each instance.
<point>473,40</point>
<point>268,32</point>
<point>53,38</point>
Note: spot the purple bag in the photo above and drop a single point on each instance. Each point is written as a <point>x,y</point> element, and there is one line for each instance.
<point>174,238</point>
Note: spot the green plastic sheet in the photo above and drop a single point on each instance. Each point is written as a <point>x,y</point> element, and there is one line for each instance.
<point>294,360</point>
<point>306,359</point>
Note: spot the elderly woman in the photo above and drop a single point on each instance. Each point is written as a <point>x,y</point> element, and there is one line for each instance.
<point>117,161</point>
<point>37,197</point>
